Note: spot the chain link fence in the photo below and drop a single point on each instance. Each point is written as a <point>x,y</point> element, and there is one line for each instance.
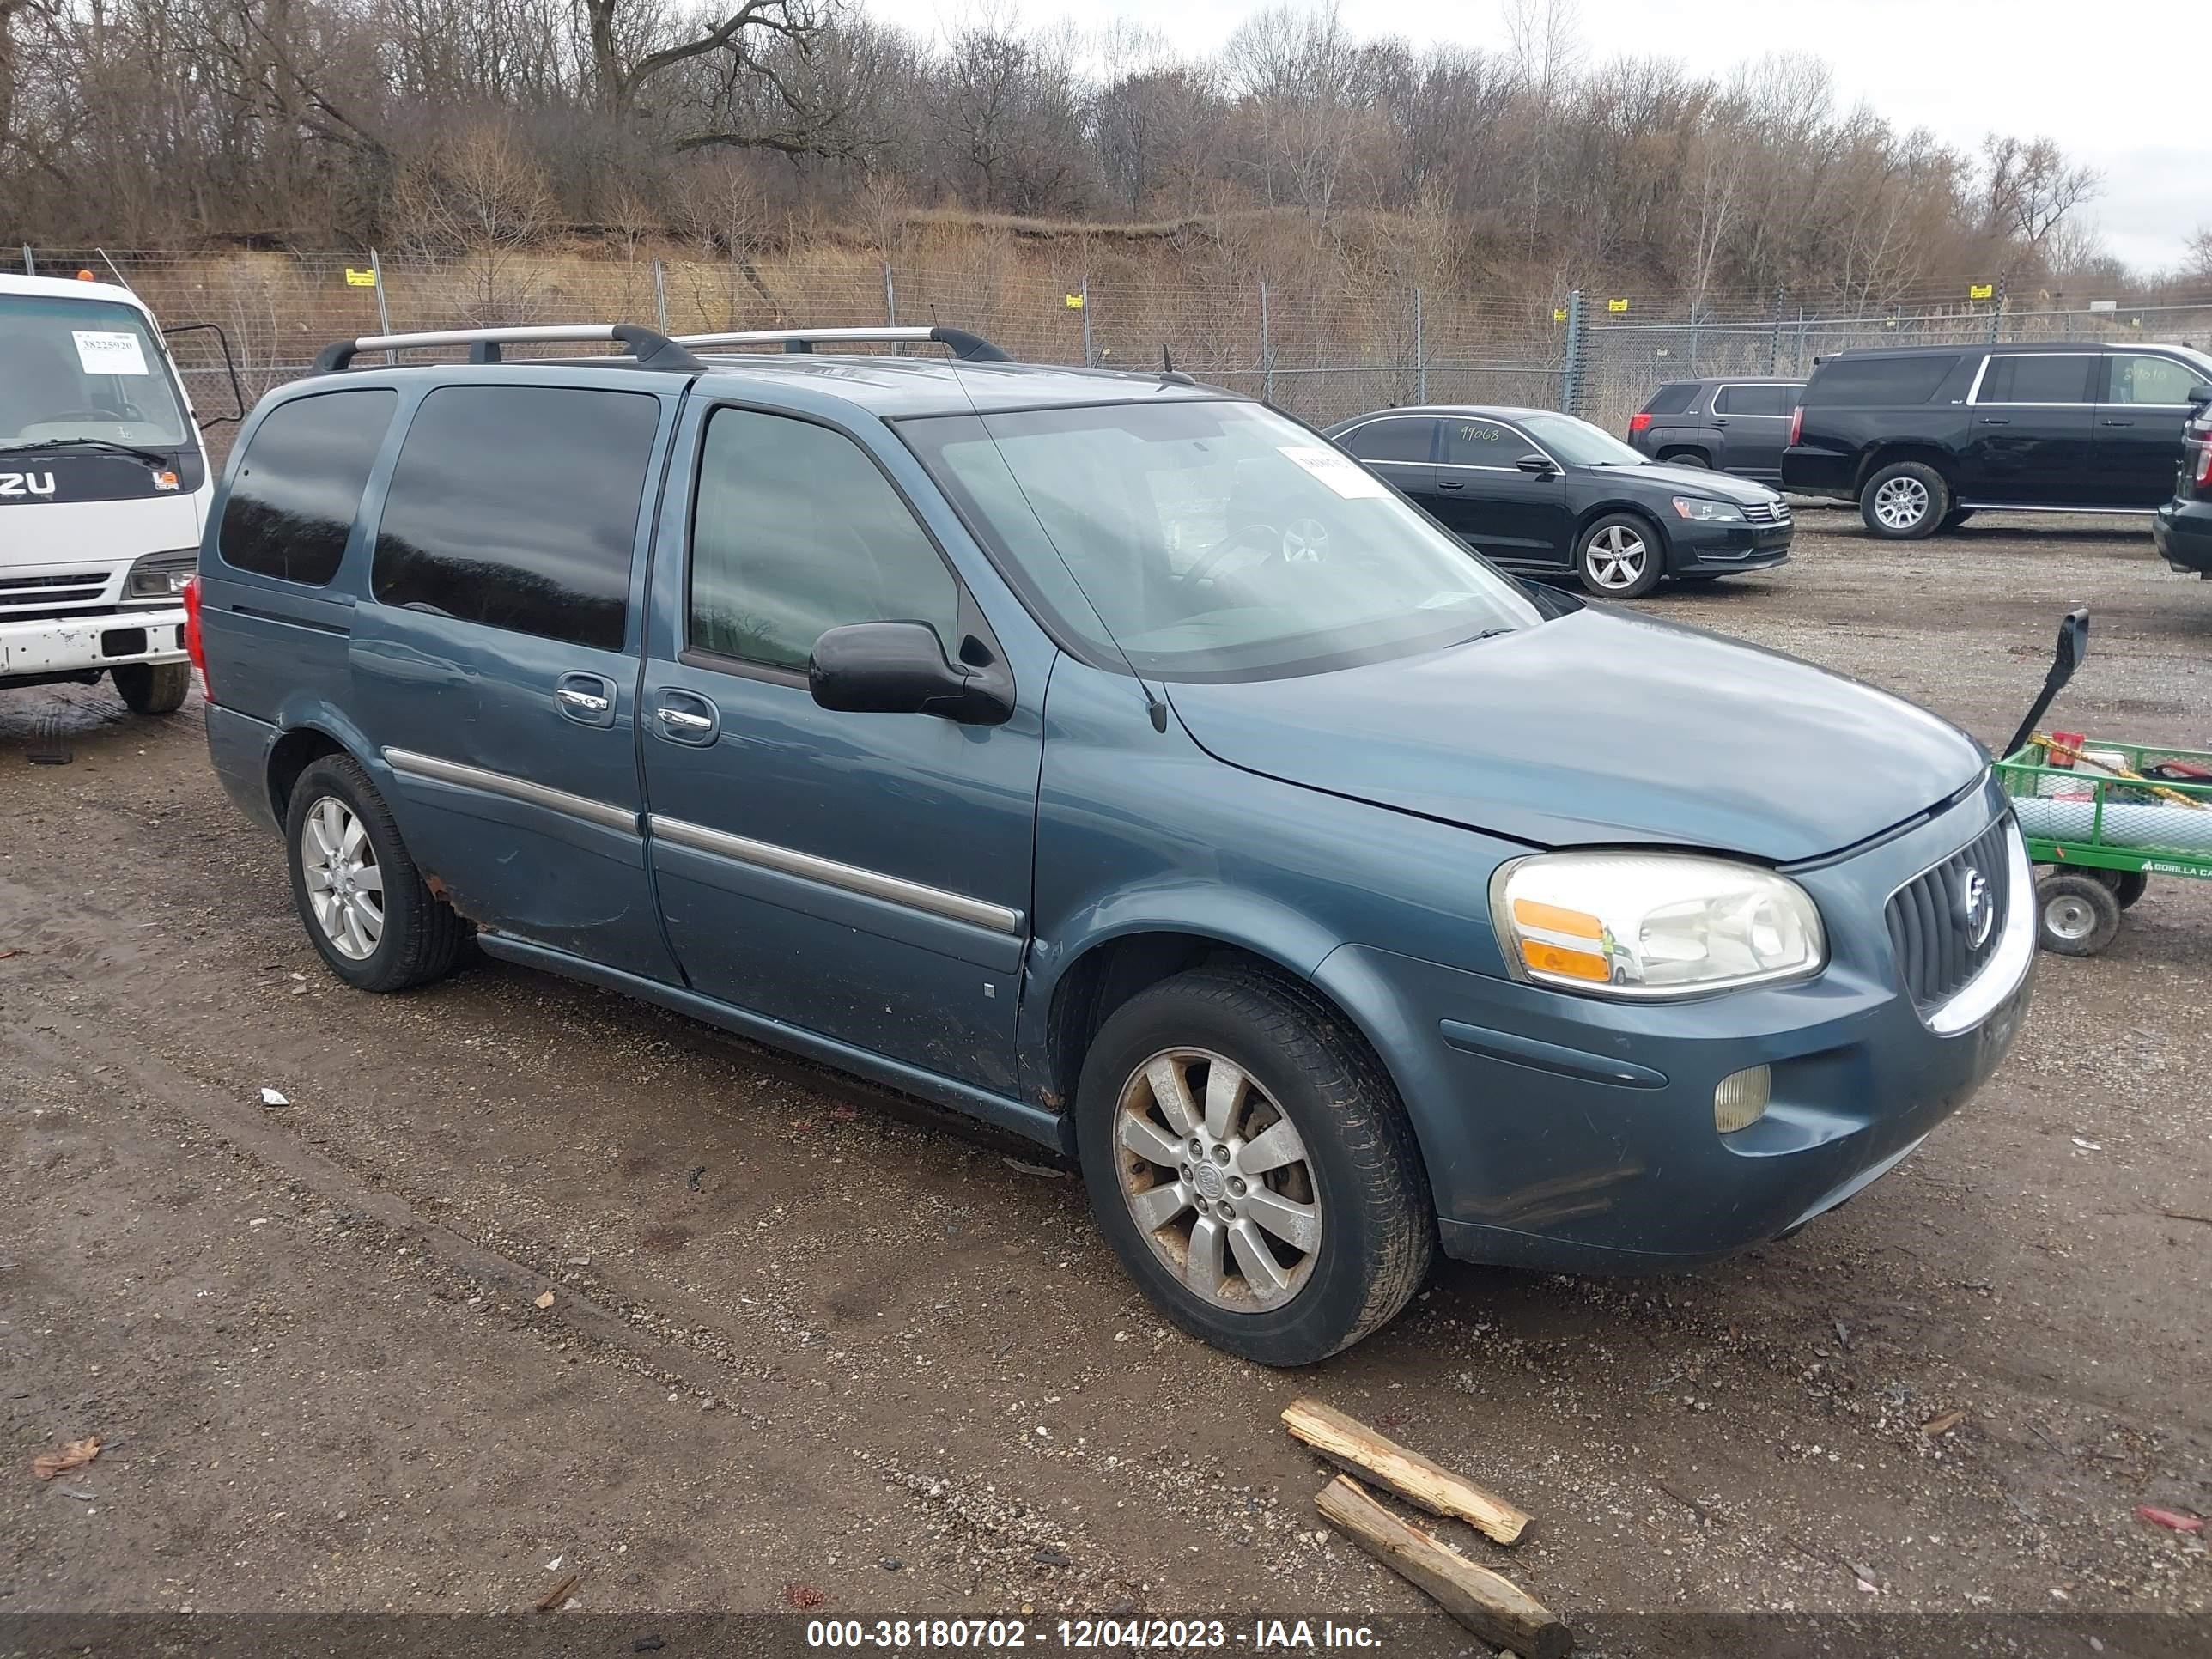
<point>1321,351</point>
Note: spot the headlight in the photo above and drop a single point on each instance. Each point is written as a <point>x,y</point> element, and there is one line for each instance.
<point>1652,924</point>
<point>1699,511</point>
<point>161,575</point>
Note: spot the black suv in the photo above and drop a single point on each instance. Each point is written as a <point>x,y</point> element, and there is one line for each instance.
<point>1738,424</point>
<point>2182,529</point>
<point>1922,437</point>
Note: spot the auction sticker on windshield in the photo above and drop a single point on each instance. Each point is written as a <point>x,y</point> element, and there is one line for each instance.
<point>102,352</point>
<point>1339,472</point>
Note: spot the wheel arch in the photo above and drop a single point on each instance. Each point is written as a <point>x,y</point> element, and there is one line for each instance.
<point>1673,451</point>
<point>307,734</point>
<point>1641,511</point>
<point>1889,454</point>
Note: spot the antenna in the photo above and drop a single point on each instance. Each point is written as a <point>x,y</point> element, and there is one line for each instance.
<point>1167,359</point>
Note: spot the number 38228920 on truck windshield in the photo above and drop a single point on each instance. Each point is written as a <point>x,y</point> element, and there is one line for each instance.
<point>1108,756</point>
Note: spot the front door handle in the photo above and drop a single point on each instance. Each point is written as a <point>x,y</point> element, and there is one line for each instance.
<point>2119,423</point>
<point>590,701</point>
<point>686,717</point>
<point>1996,420</point>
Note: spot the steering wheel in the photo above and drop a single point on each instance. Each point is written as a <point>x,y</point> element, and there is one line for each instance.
<point>1303,541</point>
<point>79,415</point>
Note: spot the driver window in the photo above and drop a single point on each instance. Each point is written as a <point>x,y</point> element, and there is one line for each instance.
<point>1394,441</point>
<point>1483,443</point>
<point>2149,381</point>
<point>796,532</point>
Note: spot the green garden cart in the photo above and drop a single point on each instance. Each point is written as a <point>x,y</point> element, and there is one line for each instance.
<point>2100,817</point>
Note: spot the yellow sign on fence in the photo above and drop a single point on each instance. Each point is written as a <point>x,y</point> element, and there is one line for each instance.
<point>1981,290</point>
<point>360,278</point>
<point>1616,305</point>
<point>1075,302</point>
<point>1559,313</point>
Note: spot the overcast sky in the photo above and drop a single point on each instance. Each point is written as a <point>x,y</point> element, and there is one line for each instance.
<point>2130,101</point>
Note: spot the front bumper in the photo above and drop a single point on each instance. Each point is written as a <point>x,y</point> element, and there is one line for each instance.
<point>66,645</point>
<point>2182,532</point>
<point>1569,1134</point>
<point>1696,549</point>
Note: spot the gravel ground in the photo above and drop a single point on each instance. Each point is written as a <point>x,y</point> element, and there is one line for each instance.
<point>809,1347</point>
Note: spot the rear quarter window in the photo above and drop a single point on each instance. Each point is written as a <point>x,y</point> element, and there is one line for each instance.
<point>298,487</point>
<point>1675,400</point>
<point>1863,382</point>
<point>516,507</point>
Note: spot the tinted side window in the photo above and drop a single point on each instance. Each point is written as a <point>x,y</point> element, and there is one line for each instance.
<point>1394,441</point>
<point>796,532</point>
<point>1756,399</point>
<point>516,507</point>
<point>2150,380</point>
<point>1674,399</point>
<point>2059,378</point>
<point>1483,443</point>
<point>1865,382</point>
<point>299,484</point>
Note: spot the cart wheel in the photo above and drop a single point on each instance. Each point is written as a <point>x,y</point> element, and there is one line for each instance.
<point>2130,888</point>
<point>2078,916</point>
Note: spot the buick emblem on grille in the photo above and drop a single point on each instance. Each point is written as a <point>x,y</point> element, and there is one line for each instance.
<point>1981,910</point>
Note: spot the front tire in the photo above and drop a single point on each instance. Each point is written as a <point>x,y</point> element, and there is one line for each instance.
<point>1248,1161</point>
<point>2076,915</point>
<point>1904,501</point>
<point>152,688</point>
<point>1619,557</point>
<point>367,910</point>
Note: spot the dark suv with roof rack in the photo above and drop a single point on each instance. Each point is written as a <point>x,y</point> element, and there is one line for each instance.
<point>1925,437</point>
<point>1736,424</point>
<point>1111,758</point>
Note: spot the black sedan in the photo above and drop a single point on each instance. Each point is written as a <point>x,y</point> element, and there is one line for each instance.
<point>1546,494</point>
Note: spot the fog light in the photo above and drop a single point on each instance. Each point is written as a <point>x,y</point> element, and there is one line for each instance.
<point>1741,1101</point>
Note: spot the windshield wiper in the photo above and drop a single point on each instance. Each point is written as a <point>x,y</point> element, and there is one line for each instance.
<point>1486,634</point>
<point>150,457</point>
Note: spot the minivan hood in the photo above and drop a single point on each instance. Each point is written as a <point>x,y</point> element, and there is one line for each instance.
<point>1601,727</point>
<point>1699,480</point>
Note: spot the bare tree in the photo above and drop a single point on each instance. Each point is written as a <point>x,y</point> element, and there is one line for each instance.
<point>2030,189</point>
<point>479,203</point>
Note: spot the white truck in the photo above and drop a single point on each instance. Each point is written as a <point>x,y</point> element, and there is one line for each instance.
<point>104,490</point>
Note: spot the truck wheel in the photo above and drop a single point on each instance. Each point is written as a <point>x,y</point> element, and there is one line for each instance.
<point>365,906</point>
<point>2127,885</point>
<point>2077,915</point>
<point>1904,501</point>
<point>1619,557</point>
<point>1248,1161</point>
<point>152,688</point>
<point>1685,458</point>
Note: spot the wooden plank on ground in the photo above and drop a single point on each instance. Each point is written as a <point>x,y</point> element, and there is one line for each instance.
<point>1347,1442</point>
<point>1493,1606</point>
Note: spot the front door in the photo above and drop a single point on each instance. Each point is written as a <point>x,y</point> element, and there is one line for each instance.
<point>863,877</point>
<point>2144,405</point>
<point>1755,428</point>
<point>2031,431</point>
<point>1519,519</point>
<point>495,667</point>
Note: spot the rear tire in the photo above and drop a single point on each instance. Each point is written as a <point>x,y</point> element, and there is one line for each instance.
<point>367,910</point>
<point>1954,518</point>
<point>2076,915</point>
<point>1619,557</point>
<point>1297,1131</point>
<point>2127,885</point>
<point>1685,458</point>
<point>1904,501</point>
<point>152,688</point>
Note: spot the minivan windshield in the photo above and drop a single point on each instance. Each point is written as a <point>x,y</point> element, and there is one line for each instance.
<point>1211,540</point>
<point>1577,443</point>
<point>83,370</point>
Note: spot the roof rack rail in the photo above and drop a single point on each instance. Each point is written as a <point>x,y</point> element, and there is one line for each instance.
<point>968,348</point>
<point>648,348</point>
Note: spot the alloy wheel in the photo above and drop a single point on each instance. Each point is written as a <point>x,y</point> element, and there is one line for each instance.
<point>1615,557</point>
<point>1901,503</point>
<point>344,886</point>
<point>1218,1180</point>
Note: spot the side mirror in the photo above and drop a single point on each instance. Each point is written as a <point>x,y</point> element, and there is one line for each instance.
<point>899,668</point>
<point>1540,465</point>
<point>2199,396</point>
